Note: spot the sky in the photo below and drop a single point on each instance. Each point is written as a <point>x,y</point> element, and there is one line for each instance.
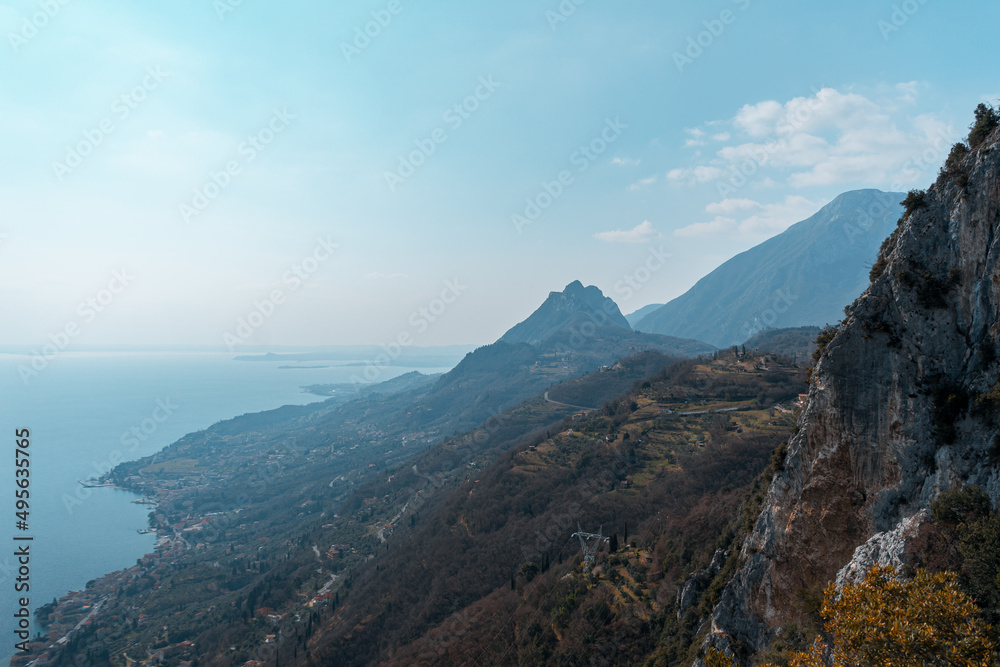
<point>246,173</point>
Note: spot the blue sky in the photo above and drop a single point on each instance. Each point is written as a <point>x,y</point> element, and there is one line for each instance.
<point>228,148</point>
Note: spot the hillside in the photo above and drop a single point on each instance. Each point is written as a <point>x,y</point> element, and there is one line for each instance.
<point>665,467</point>
<point>799,342</point>
<point>802,277</point>
<point>262,491</point>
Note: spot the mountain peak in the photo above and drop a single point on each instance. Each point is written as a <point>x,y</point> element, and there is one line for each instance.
<point>801,277</point>
<point>565,311</point>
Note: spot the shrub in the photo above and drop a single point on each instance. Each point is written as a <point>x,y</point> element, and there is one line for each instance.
<point>958,151</point>
<point>823,340</point>
<point>963,505</point>
<point>987,120</point>
<point>778,457</point>
<point>884,620</point>
<point>883,255</point>
<point>915,199</point>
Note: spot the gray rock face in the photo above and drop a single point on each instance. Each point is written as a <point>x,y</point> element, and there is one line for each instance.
<point>892,418</point>
<point>884,549</point>
<point>690,593</point>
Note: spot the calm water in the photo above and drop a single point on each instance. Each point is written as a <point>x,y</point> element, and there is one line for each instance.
<point>78,411</point>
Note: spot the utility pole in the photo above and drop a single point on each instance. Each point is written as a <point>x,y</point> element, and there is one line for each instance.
<point>589,550</point>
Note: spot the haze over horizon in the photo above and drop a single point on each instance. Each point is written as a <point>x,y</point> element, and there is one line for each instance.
<point>277,160</point>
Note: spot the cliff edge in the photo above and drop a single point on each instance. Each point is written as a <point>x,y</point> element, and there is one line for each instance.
<point>902,406</point>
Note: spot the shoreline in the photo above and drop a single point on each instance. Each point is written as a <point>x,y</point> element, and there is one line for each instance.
<point>76,609</point>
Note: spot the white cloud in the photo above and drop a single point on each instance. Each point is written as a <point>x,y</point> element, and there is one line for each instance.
<point>717,227</point>
<point>643,183</point>
<point>908,91</point>
<point>700,174</point>
<point>626,162</point>
<point>642,233</point>
<point>773,219</point>
<point>832,138</point>
<point>696,137</point>
<point>762,221</point>
<point>731,206</point>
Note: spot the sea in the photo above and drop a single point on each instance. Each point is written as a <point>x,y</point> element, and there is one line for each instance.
<point>89,410</point>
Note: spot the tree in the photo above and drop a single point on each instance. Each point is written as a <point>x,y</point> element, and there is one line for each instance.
<point>887,621</point>
<point>987,120</point>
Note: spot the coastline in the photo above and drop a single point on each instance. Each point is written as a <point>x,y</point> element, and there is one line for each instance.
<point>77,609</point>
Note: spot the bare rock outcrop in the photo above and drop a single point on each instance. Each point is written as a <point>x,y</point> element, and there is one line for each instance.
<point>902,407</point>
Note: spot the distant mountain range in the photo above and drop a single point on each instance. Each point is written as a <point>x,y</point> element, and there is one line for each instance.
<point>572,332</point>
<point>805,276</point>
<point>636,317</point>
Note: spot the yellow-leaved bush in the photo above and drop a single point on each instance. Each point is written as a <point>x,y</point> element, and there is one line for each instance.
<point>893,622</point>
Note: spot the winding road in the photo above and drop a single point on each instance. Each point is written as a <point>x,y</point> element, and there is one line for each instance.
<point>567,405</point>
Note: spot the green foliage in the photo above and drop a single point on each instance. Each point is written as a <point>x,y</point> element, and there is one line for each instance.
<point>967,504</point>
<point>933,291</point>
<point>529,570</point>
<point>958,152</point>
<point>986,121</point>
<point>972,529</point>
<point>915,200</point>
<point>979,547</point>
<point>778,458</point>
<point>883,255</point>
<point>791,639</point>
<point>822,341</point>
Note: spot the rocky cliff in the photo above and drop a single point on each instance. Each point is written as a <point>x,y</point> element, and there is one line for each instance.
<point>902,406</point>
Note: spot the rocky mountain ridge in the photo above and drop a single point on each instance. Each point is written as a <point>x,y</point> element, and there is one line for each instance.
<point>575,307</point>
<point>902,407</point>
